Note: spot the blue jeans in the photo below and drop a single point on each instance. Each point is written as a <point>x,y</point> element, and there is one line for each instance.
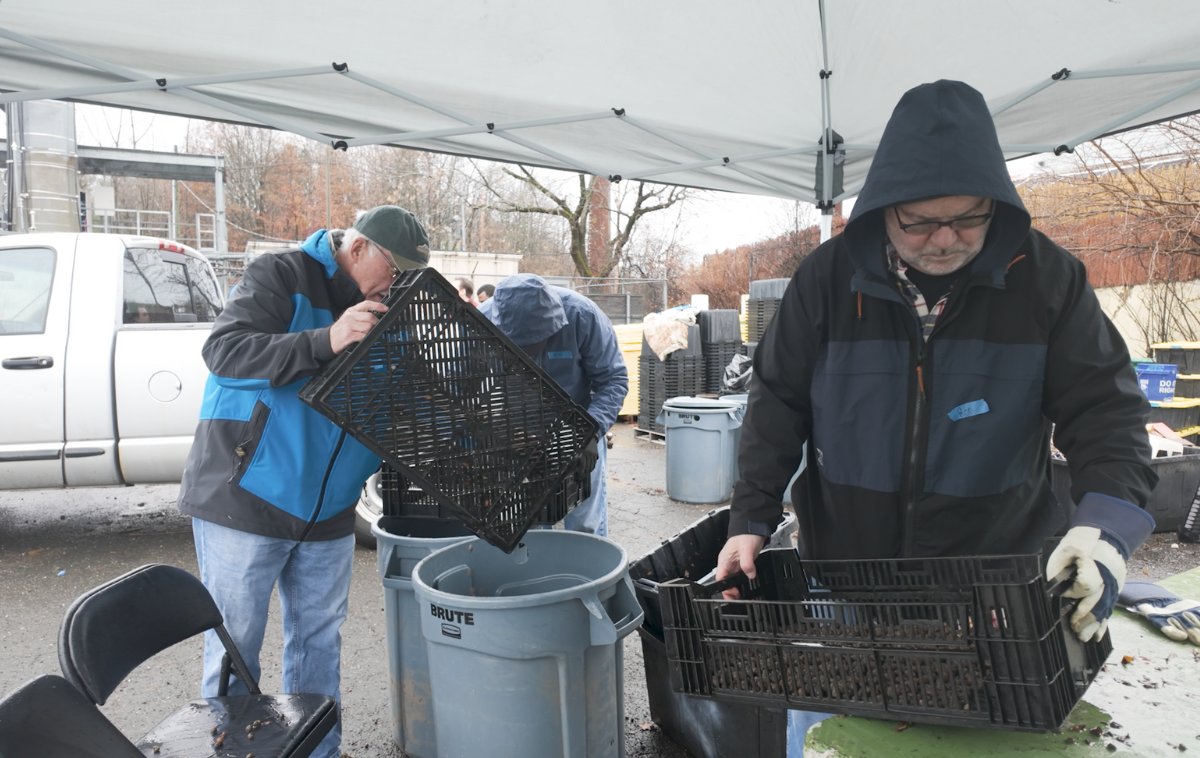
<point>240,569</point>
<point>591,515</point>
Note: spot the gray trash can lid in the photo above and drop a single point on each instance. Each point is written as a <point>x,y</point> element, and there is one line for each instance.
<point>701,404</point>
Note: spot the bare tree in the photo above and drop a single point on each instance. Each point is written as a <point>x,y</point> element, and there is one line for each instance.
<point>1129,208</point>
<point>577,211</point>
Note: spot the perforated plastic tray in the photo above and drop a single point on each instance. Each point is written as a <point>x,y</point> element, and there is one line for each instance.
<point>439,393</point>
<point>403,499</point>
<point>958,641</point>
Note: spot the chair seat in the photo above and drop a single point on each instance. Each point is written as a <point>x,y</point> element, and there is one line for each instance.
<point>291,725</point>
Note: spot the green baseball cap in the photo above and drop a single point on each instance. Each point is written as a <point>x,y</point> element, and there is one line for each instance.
<point>397,231</point>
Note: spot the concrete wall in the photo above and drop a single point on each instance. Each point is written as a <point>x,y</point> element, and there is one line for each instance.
<point>1138,313</point>
<point>481,268</point>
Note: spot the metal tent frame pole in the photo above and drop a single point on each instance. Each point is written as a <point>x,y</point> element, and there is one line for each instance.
<point>709,158</point>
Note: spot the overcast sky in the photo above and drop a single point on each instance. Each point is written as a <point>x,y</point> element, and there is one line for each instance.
<point>712,222</point>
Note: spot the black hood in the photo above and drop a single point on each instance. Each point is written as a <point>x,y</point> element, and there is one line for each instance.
<point>939,141</point>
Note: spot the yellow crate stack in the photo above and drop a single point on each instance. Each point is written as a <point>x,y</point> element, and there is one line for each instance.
<point>745,302</point>
<point>629,340</point>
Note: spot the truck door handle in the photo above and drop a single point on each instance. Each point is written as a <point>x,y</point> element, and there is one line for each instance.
<point>25,364</point>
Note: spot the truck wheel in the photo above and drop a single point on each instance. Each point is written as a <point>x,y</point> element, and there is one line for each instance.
<point>367,511</point>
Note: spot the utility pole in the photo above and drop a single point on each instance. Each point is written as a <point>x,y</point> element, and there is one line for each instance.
<point>174,233</point>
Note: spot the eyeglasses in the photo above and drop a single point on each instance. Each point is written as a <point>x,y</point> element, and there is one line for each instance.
<point>387,258</point>
<point>923,228</point>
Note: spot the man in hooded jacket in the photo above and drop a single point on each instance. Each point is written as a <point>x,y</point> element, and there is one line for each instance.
<point>571,338</point>
<point>924,355</point>
<point>270,483</point>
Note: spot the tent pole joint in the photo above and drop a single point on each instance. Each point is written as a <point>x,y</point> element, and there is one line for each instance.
<point>1061,74</point>
<point>341,68</point>
<point>1063,149</point>
<point>619,111</point>
<point>340,145</point>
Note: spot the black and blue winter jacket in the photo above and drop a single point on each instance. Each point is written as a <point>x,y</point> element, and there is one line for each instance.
<point>893,470</point>
<point>263,461</point>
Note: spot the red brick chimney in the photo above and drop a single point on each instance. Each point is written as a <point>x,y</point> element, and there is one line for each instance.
<point>599,221</point>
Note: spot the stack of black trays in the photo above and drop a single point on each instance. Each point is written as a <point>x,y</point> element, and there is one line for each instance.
<point>720,340</point>
<point>764,301</point>
<point>438,392</point>
<point>1185,359</point>
<point>680,375</point>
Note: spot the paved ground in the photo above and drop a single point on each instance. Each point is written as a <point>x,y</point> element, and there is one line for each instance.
<point>54,544</point>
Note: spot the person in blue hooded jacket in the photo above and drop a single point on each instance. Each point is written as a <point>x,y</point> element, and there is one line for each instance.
<point>270,483</point>
<point>571,338</point>
<point>924,355</point>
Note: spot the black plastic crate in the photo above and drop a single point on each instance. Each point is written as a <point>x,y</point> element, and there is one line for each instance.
<point>973,641</point>
<point>717,356</point>
<point>1176,418</point>
<point>768,289</point>
<point>1187,387</point>
<point>758,314</point>
<point>680,375</point>
<point>439,393</point>
<point>690,554</point>
<point>704,727</point>
<point>404,499</point>
<point>1185,359</point>
<point>1189,529</point>
<point>719,326</point>
<point>1170,500</point>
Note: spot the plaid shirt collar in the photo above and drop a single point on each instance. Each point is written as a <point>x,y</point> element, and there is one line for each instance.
<point>927,316</point>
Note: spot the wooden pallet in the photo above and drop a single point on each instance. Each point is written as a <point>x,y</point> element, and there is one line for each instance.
<point>649,436</point>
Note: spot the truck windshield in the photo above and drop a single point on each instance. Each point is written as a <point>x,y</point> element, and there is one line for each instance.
<point>164,287</point>
<point>25,278</point>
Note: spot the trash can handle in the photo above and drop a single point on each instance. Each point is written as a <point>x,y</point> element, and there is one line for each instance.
<point>603,630</point>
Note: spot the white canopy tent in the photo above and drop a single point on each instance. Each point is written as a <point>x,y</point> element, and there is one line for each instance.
<point>719,95</point>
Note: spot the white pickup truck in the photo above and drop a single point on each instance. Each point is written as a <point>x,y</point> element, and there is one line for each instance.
<point>101,377</point>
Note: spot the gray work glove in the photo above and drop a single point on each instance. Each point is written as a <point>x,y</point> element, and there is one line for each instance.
<point>1099,577</point>
<point>1176,618</point>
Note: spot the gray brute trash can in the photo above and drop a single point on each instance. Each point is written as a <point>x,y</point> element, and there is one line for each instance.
<point>401,543</point>
<point>702,441</point>
<point>525,653</point>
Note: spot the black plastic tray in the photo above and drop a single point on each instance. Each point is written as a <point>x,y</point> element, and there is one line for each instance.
<point>439,393</point>
<point>758,315</point>
<point>1178,480</point>
<point>980,641</point>
<point>1189,529</point>
<point>704,727</point>
<point>404,499</point>
<point>717,356</point>
<point>1186,360</point>
<point>707,728</point>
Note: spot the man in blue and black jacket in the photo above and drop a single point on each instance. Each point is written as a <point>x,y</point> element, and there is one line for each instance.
<point>924,354</point>
<point>270,483</point>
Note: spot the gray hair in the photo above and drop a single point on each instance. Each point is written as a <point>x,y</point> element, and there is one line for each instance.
<point>352,234</point>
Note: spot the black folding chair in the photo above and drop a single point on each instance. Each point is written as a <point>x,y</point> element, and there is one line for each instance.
<point>112,629</point>
<point>50,718</point>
